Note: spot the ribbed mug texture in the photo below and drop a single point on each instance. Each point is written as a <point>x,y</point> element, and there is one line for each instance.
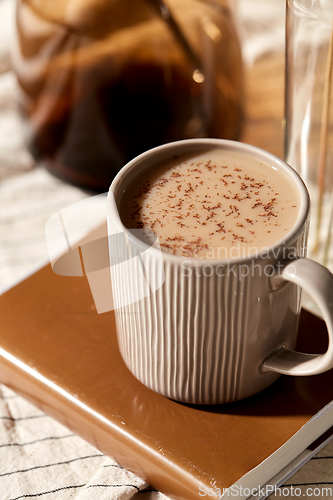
<point>201,337</point>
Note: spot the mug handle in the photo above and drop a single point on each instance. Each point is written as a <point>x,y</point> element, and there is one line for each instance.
<point>317,280</point>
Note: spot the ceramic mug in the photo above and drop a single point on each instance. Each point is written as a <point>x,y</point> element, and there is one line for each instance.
<point>223,335</point>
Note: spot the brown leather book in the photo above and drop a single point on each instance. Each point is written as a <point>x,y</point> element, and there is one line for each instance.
<point>56,351</point>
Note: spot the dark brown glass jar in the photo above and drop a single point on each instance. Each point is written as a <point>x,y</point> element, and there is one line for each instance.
<point>104,80</point>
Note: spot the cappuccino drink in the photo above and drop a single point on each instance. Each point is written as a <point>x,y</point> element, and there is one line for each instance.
<point>205,330</point>
<point>217,204</point>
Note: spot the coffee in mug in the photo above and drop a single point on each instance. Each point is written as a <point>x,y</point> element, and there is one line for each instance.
<point>201,328</point>
<point>210,205</point>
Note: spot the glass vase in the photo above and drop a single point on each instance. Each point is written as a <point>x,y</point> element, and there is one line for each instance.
<point>102,81</point>
<point>309,115</point>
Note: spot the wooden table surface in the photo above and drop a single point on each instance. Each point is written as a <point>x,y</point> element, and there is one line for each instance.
<point>264,104</point>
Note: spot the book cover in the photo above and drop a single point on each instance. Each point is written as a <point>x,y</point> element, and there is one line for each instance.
<point>61,355</point>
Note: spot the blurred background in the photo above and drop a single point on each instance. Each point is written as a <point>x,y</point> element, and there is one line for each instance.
<point>86,86</point>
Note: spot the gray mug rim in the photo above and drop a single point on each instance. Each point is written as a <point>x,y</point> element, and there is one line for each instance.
<point>160,153</point>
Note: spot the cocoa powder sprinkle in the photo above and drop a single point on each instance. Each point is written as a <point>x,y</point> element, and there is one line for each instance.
<point>210,195</point>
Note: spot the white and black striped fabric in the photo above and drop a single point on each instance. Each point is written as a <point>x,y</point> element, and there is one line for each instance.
<point>41,458</point>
